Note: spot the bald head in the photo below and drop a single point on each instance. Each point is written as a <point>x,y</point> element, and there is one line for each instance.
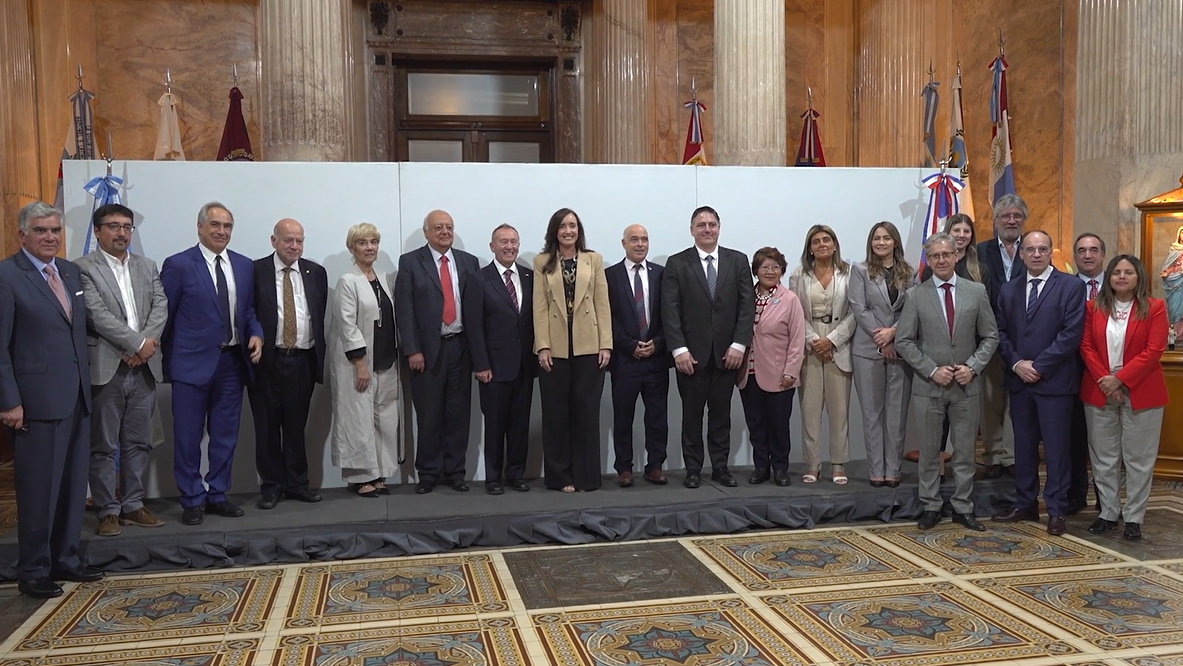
<point>288,240</point>
<point>635,243</point>
<point>438,227</point>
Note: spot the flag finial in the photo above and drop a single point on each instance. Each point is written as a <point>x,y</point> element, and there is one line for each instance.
<point>235,75</point>
<point>1001,43</point>
<point>931,70</point>
<point>693,88</point>
<point>79,76</point>
<point>809,96</point>
<point>110,153</point>
<point>168,80</point>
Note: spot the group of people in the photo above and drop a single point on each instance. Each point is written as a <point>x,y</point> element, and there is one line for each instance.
<point>965,343</point>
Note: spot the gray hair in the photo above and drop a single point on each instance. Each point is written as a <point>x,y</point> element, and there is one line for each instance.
<point>203,214</point>
<point>1008,201</point>
<point>937,239</point>
<point>36,211</point>
<point>503,227</point>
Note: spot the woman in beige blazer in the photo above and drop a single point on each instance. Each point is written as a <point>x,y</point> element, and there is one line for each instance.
<point>820,283</point>
<point>363,369</point>
<point>573,339</point>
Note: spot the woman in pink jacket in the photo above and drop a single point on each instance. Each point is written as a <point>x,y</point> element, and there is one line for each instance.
<point>770,372</point>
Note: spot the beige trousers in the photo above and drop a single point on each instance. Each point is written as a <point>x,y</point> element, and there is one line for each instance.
<point>824,385</point>
<point>998,435</point>
<point>1120,436</point>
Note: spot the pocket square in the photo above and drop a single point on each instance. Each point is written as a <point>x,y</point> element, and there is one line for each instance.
<point>77,293</point>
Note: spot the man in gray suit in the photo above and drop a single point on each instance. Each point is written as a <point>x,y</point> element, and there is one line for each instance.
<point>947,333</point>
<point>126,310</point>
<point>45,401</point>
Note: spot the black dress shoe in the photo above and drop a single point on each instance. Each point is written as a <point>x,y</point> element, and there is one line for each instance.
<point>460,486</point>
<point>1056,525</point>
<point>1133,531</point>
<point>693,480</point>
<point>424,487</point>
<point>992,472</point>
<point>267,501</point>
<point>893,483</point>
<point>724,478</point>
<point>494,488</point>
<point>929,520</point>
<point>968,521</point>
<point>759,476</point>
<point>303,495</point>
<point>1076,506</point>
<point>1100,526</point>
<point>781,477</point>
<point>878,483</point>
<point>39,588</point>
<point>192,515</point>
<point>1016,515</point>
<point>655,477</point>
<point>1009,470</point>
<point>223,508</point>
<point>518,485</point>
<point>82,574</point>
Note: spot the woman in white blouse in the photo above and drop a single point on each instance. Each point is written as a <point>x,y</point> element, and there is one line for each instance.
<point>1123,390</point>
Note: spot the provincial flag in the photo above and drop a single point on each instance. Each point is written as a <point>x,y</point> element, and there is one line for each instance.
<point>809,151</point>
<point>694,153</point>
<point>236,142</point>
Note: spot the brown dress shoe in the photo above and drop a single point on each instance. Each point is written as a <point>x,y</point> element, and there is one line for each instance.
<point>625,479</point>
<point>141,517</point>
<point>1016,515</point>
<point>655,476</point>
<point>109,526</point>
<point>1056,525</point>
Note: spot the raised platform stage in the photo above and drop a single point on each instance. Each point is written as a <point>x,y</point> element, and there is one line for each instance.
<point>345,526</point>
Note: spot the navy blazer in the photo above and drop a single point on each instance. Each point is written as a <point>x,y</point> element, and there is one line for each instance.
<point>990,256</point>
<point>192,337</point>
<point>419,300</point>
<point>267,306</point>
<point>43,356</point>
<point>626,330</point>
<point>1049,337</point>
<point>500,337</point>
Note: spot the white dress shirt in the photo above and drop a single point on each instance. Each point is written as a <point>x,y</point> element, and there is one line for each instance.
<point>513,278</point>
<point>631,268</point>
<point>123,279</point>
<point>231,287</point>
<point>1115,330</point>
<point>303,317</point>
<point>1043,278</point>
<point>702,261</point>
<point>458,325</point>
<point>1086,280</point>
<point>1008,261</point>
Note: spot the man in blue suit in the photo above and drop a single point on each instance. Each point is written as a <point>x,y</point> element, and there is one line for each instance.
<point>641,364</point>
<point>1040,324</point>
<point>211,335</point>
<point>501,331</point>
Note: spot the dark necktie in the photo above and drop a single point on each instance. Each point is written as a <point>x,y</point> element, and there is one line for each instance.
<point>639,303</point>
<point>513,292</point>
<point>223,301</point>
<point>1033,296</point>
<point>289,309</point>
<point>449,297</point>
<point>712,276</point>
<point>948,306</point>
<point>1092,289</point>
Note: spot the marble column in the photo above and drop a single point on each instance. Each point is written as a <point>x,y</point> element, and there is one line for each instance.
<point>19,165</point>
<point>1129,127</point>
<point>749,108</point>
<point>305,88</point>
<point>618,100</point>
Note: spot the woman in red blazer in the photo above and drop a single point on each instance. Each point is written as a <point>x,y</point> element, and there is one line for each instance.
<point>770,373</point>
<point>1123,390</point>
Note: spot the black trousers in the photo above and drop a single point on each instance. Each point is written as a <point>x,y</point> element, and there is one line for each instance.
<point>767,415</point>
<point>653,387</point>
<point>571,422</point>
<point>506,407</point>
<point>279,397</point>
<point>442,396</point>
<point>708,390</point>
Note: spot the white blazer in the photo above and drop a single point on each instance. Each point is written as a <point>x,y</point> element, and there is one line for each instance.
<point>843,319</point>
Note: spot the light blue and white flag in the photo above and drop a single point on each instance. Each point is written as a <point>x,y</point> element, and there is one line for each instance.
<point>1002,174</point>
<point>105,190</point>
<point>958,156</point>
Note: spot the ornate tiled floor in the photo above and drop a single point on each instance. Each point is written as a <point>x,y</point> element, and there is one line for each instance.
<point>848,596</point>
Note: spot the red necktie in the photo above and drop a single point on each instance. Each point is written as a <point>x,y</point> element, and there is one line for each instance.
<point>1092,289</point>
<point>449,298</point>
<point>948,305</point>
<point>513,292</point>
<point>55,285</point>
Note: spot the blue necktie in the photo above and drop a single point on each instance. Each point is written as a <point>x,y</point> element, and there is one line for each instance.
<point>1033,296</point>
<point>712,276</point>
<point>223,301</point>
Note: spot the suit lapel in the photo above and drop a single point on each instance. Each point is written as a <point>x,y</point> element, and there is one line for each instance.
<point>583,277</point>
<point>104,270</point>
<point>555,280</point>
<point>496,275</point>
<point>700,272</point>
<point>430,267</point>
<point>1041,297</point>
<point>526,277</point>
<point>42,285</point>
<point>204,277</point>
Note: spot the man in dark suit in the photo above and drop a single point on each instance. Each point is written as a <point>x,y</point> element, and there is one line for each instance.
<point>210,341</point>
<point>1040,324</point>
<point>707,305</point>
<point>1088,254</point>
<point>640,365</point>
<point>431,292</point>
<point>45,401</point>
<point>1001,258</point>
<point>501,333</point>
<point>291,294</point>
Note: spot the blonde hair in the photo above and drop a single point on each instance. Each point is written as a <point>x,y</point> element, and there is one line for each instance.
<point>359,231</point>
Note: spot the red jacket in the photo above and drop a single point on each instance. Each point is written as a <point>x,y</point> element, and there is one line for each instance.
<point>1141,372</point>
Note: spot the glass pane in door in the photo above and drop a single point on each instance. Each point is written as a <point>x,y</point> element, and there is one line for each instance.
<point>515,151</point>
<point>428,150</point>
<point>441,94</point>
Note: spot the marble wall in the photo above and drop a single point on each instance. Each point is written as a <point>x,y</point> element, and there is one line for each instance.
<point>18,122</point>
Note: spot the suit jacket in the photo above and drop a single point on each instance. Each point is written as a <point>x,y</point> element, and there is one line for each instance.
<point>840,312</point>
<point>626,329</point>
<point>692,319</point>
<point>502,336</point>
<point>990,256</point>
<point>1049,338</point>
<point>872,308</point>
<point>419,300</point>
<point>108,336</point>
<point>43,363</point>
<point>591,321</point>
<point>778,342</point>
<point>193,335</point>
<point>267,306</point>
<point>922,335</point>
<point>1141,370</point>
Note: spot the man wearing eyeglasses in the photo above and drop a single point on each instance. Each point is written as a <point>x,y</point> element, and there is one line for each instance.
<point>1040,324</point>
<point>125,315</point>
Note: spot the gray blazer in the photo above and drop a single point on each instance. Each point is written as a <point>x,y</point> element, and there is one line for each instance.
<point>922,334</point>
<point>108,337</point>
<point>872,308</point>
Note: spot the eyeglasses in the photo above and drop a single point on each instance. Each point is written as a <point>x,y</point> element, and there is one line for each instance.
<point>115,226</point>
<point>1037,250</point>
<point>941,256</point>
<point>769,269</point>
